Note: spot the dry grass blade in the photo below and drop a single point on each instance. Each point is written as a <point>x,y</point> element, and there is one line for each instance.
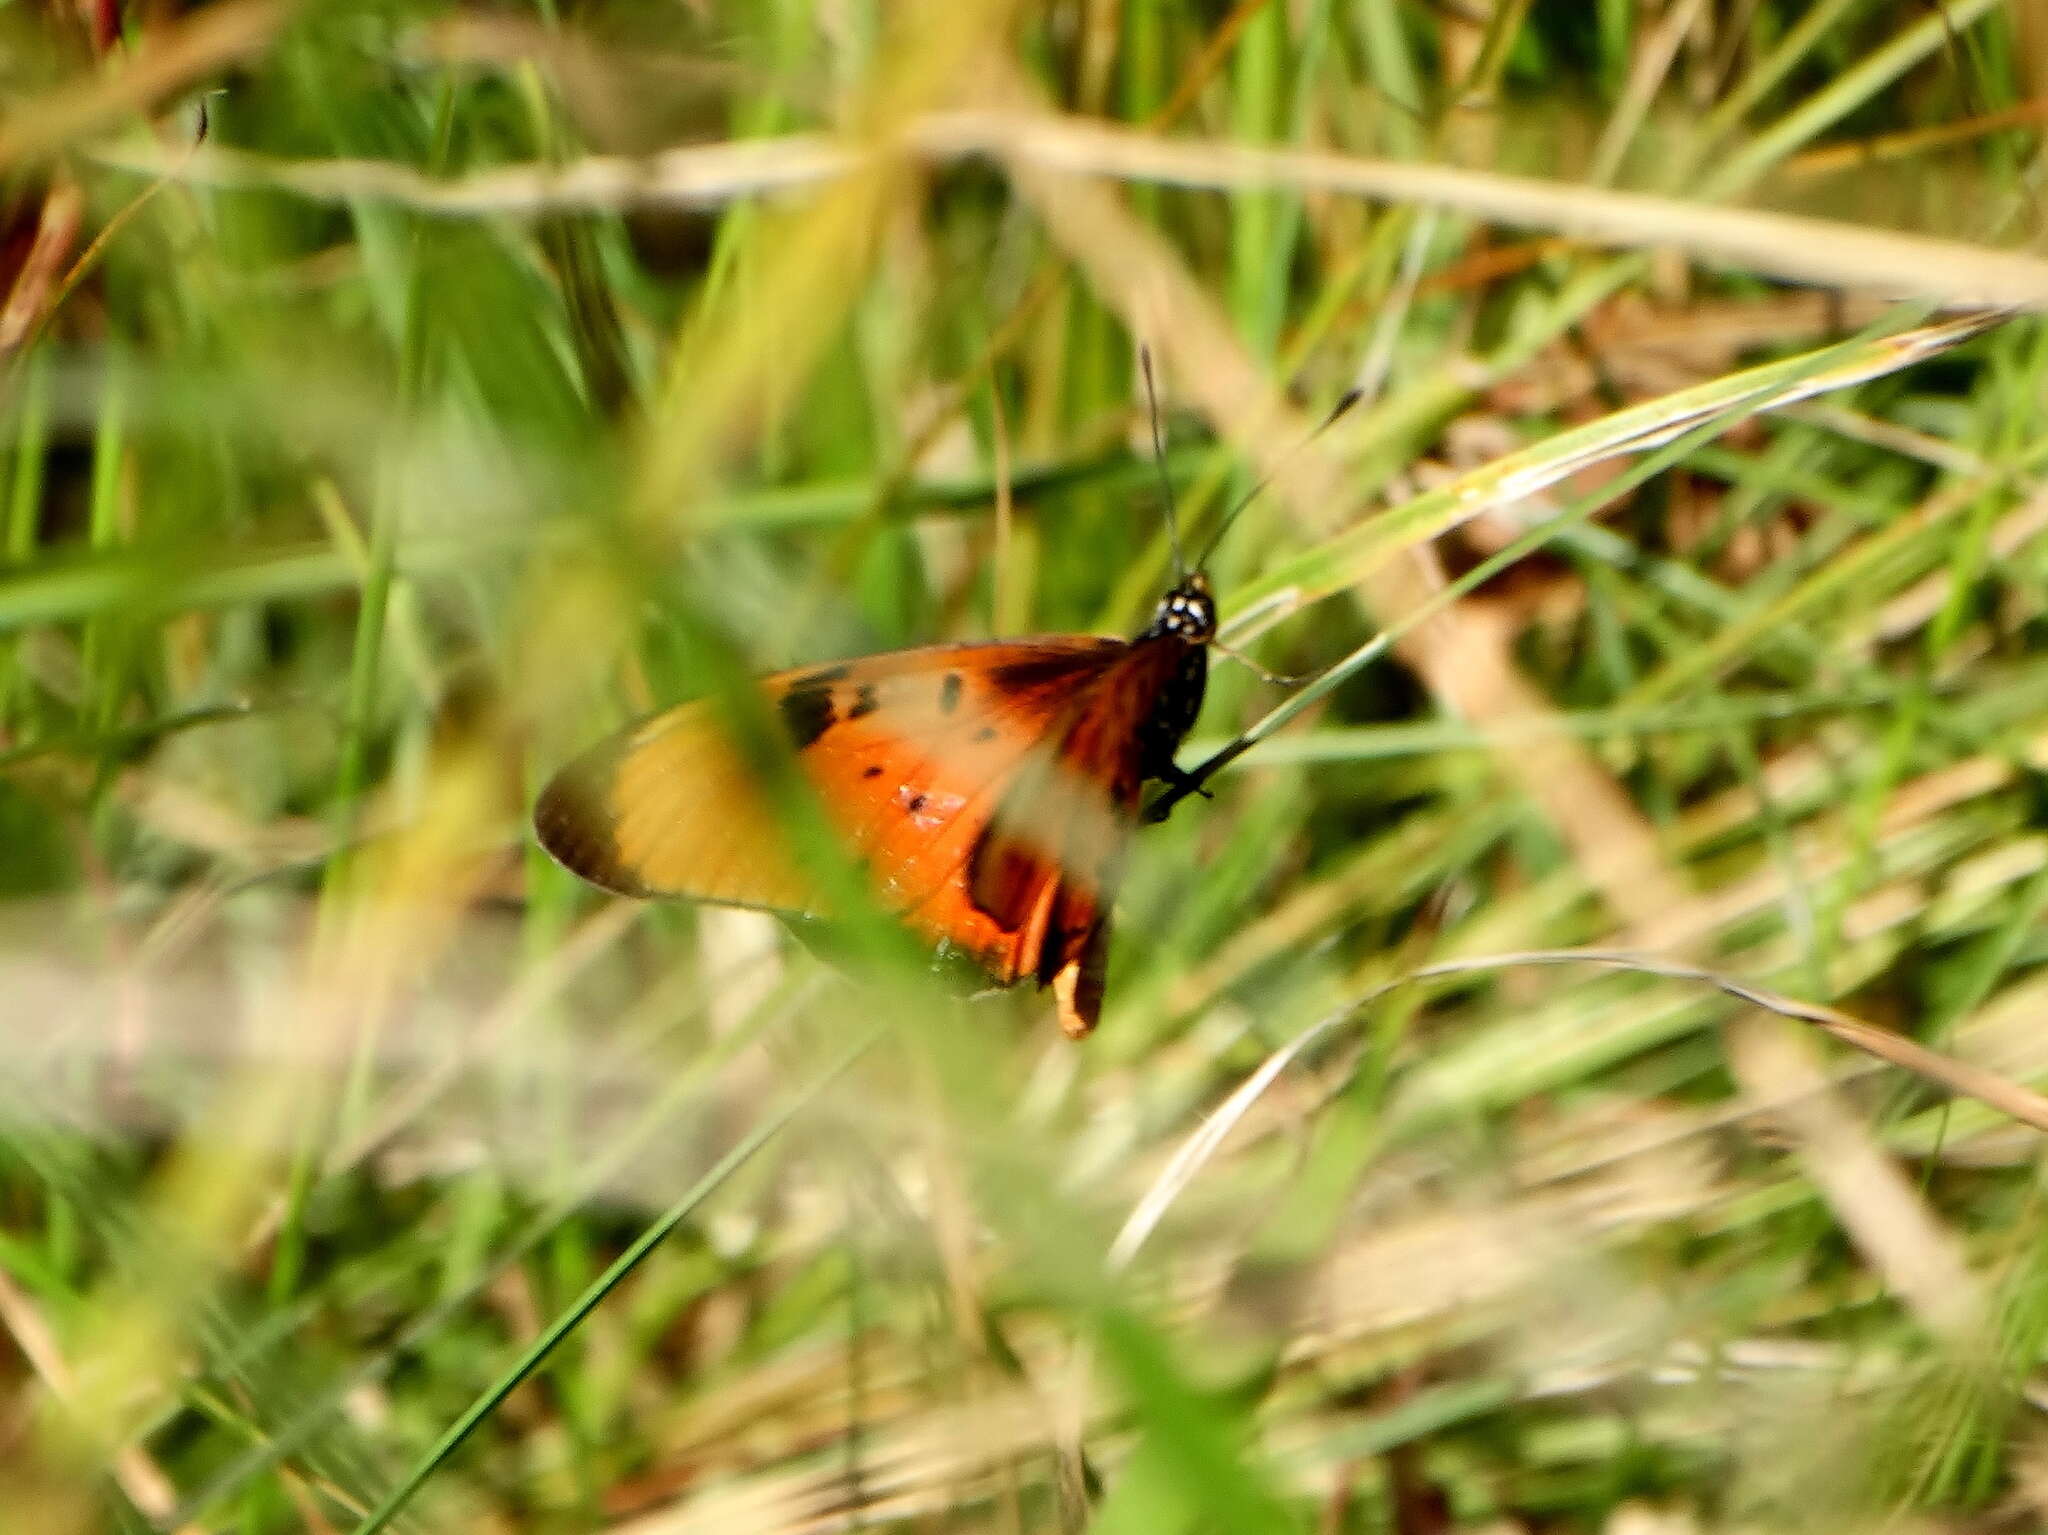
<point>1880,1209</point>
<point>140,1479</point>
<point>173,59</point>
<point>1790,247</point>
<point>1958,1077</point>
<point>1198,1148</point>
<point>700,176</point>
<point>63,214</point>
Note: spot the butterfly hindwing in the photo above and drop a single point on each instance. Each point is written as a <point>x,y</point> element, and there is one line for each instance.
<point>1049,862</point>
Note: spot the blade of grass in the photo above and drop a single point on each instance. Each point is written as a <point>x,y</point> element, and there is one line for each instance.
<point>742,1151</point>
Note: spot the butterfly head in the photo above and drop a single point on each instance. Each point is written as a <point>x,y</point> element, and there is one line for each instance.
<point>1188,612</point>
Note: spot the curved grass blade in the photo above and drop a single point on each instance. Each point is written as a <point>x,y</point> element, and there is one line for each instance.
<point>1957,1076</point>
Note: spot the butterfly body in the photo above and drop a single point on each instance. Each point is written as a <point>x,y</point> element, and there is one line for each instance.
<point>989,791</point>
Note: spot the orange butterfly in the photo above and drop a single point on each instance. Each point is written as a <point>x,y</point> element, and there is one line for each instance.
<point>989,790</point>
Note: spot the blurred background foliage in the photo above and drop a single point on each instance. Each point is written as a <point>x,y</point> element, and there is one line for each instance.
<point>396,396</point>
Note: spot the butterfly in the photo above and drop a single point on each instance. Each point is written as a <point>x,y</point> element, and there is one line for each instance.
<point>989,790</point>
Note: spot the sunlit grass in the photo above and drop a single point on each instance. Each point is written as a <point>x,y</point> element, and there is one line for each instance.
<point>361,463</point>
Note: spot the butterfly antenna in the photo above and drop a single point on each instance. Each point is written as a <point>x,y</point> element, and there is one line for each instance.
<point>1349,398</point>
<point>1180,562</point>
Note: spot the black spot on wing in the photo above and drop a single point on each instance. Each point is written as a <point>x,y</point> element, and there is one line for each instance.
<point>986,733</point>
<point>807,712</point>
<point>873,770</point>
<point>863,701</point>
<point>949,693</point>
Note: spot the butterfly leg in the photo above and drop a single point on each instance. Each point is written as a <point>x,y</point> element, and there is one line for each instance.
<point>1179,785</point>
<point>1277,679</point>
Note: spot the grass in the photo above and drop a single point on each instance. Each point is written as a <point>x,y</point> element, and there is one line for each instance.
<point>486,377</point>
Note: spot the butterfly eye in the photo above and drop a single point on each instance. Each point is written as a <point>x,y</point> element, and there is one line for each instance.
<point>1186,612</point>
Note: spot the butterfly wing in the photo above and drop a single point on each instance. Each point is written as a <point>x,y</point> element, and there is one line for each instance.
<point>988,789</point>
<point>910,752</point>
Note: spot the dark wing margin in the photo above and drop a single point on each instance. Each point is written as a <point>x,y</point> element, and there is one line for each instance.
<point>572,821</point>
